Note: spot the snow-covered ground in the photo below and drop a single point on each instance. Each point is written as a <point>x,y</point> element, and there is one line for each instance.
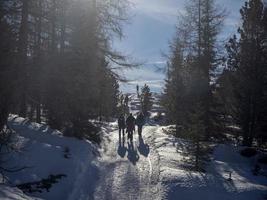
<point>13,193</point>
<point>46,152</point>
<point>214,184</point>
<point>129,170</point>
<point>150,168</point>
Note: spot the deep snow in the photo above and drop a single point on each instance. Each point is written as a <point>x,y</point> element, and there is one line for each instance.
<point>150,168</point>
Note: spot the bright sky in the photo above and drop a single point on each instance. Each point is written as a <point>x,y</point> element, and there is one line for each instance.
<point>147,37</point>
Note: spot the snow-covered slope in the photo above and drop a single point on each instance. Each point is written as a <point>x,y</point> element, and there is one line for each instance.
<point>46,152</point>
<point>12,193</point>
<point>214,184</point>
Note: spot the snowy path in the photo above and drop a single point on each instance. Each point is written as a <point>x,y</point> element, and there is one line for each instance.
<point>129,170</point>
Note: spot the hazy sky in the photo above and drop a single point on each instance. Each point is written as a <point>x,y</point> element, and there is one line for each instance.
<point>151,27</point>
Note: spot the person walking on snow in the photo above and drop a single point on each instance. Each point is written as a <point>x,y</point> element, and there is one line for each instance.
<point>140,122</point>
<point>121,124</point>
<point>130,122</point>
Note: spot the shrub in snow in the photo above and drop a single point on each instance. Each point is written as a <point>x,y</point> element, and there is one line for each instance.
<point>84,129</point>
<point>248,152</point>
<point>263,159</point>
<point>7,145</point>
<point>39,186</point>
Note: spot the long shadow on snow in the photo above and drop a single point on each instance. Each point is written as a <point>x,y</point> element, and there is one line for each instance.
<point>143,148</point>
<point>132,156</point>
<point>202,184</point>
<point>121,148</point>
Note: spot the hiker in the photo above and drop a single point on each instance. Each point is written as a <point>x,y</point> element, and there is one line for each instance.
<point>130,122</point>
<point>140,122</point>
<point>126,100</point>
<point>137,90</point>
<point>121,124</point>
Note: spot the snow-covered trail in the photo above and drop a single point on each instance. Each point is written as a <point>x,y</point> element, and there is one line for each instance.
<point>129,170</point>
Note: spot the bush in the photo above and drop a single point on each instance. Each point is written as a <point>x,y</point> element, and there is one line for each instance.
<point>83,130</point>
<point>248,152</point>
<point>40,186</point>
<point>263,159</point>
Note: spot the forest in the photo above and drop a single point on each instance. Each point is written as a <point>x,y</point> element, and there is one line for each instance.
<point>210,85</point>
<point>57,60</point>
<point>59,71</point>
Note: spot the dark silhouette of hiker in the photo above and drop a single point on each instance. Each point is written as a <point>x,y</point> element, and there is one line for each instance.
<point>122,149</point>
<point>130,123</point>
<point>132,156</point>
<point>140,122</point>
<point>137,90</point>
<point>143,148</point>
<point>121,124</point>
<point>126,100</point>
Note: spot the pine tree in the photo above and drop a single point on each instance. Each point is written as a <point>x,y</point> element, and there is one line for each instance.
<point>193,58</point>
<point>189,92</point>
<point>146,99</point>
<point>64,59</point>
<point>247,68</point>
<point>196,129</point>
<point>174,93</point>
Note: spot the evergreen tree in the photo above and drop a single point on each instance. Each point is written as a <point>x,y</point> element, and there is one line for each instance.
<point>146,99</point>
<point>246,67</point>
<point>174,94</point>
<point>193,62</point>
<point>189,94</point>
<point>64,59</point>
<point>196,129</point>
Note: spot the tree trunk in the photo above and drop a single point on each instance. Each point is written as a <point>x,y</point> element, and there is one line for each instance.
<point>53,27</point>
<point>38,58</point>
<point>23,48</point>
<point>197,155</point>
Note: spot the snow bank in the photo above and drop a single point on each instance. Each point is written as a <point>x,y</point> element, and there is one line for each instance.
<point>214,184</point>
<point>46,152</point>
<point>183,184</point>
<point>11,193</point>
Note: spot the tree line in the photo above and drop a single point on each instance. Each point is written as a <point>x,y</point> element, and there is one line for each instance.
<point>210,86</point>
<point>56,60</point>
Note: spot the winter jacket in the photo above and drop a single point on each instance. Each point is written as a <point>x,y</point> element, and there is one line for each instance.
<point>121,122</point>
<point>140,120</point>
<point>130,122</point>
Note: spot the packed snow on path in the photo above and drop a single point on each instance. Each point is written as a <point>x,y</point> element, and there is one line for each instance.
<point>129,170</point>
